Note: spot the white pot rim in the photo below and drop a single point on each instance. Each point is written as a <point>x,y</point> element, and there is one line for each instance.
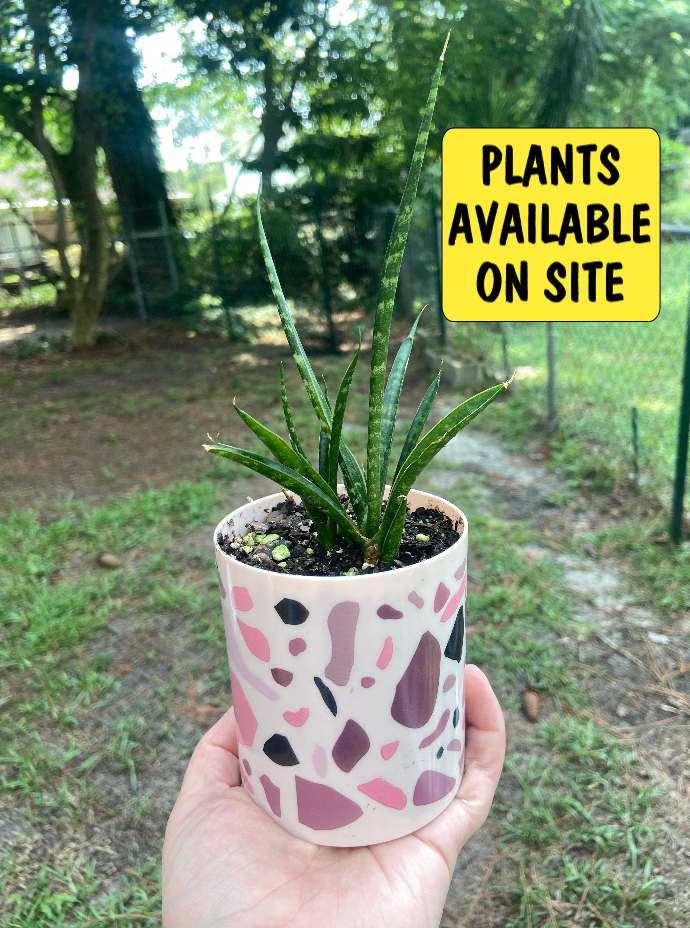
<point>361,577</point>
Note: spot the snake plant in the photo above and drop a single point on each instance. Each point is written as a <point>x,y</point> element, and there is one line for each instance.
<point>377,532</point>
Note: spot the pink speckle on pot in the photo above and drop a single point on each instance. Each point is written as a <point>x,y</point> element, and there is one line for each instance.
<point>241,599</point>
<point>442,594</point>
<point>296,719</point>
<point>342,624</point>
<point>255,640</point>
<point>384,792</point>
<point>386,654</point>
<point>437,731</point>
<point>246,720</point>
<point>416,692</point>
<point>320,760</point>
<point>272,794</point>
<point>454,602</point>
<point>388,612</point>
<point>321,807</point>
<point>432,786</point>
<point>351,746</point>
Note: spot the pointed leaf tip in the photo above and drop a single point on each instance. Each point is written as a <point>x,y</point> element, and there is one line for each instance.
<point>443,53</point>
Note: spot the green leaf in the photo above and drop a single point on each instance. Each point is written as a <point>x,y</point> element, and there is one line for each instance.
<point>285,454</point>
<point>384,308</point>
<point>352,472</point>
<point>318,400</point>
<point>391,542</point>
<point>434,441</point>
<point>338,416</point>
<point>296,444</point>
<point>418,422</point>
<point>310,494</point>
<point>391,399</point>
<point>326,396</point>
<point>353,478</point>
<point>323,453</point>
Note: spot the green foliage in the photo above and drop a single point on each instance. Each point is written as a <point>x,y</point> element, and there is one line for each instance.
<point>300,64</point>
<point>674,166</point>
<point>378,536</point>
<point>572,64</point>
<point>289,223</point>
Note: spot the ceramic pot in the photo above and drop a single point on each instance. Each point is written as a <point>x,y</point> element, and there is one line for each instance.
<point>348,691</point>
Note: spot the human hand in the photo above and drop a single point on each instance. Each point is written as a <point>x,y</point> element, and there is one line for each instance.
<point>226,863</point>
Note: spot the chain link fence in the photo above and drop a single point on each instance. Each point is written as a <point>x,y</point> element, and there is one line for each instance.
<point>617,384</point>
<point>328,260</point>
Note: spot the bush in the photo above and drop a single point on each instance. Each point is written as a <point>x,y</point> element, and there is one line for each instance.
<point>674,158</point>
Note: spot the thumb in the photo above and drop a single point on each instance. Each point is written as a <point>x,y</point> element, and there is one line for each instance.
<point>214,762</point>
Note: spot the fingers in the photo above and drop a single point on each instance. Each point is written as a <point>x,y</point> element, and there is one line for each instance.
<point>214,761</point>
<point>484,752</point>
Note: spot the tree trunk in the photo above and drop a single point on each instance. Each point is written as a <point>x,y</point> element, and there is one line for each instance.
<point>127,131</point>
<point>89,215</point>
<point>84,316</point>
<point>272,120</point>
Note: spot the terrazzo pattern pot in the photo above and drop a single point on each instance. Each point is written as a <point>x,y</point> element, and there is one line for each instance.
<point>348,691</point>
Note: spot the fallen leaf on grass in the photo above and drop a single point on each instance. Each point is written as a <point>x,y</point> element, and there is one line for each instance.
<point>530,705</point>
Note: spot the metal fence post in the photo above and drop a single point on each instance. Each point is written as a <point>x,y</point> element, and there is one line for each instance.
<point>19,251</point>
<point>551,417</point>
<point>437,235</point>
<point>325,283</point>
<point>218,261</point>
<point>503,326</point>
<point>676,530</point>
<point>172,267</point>
<point>134,271</point>
<point>635,444</point>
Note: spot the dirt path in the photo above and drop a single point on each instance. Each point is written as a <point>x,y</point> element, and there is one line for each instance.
<point>637,664</point>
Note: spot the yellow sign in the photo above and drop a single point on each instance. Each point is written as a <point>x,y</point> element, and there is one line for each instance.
<point>551,224</point>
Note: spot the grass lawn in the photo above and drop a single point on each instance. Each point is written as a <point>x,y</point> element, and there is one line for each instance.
<point>108,677</point>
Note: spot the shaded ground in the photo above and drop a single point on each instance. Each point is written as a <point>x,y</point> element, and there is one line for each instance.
<point>133,413</point>
<point>101,737</point>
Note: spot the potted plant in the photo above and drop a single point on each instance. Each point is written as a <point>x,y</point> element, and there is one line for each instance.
<point>344,603</point>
